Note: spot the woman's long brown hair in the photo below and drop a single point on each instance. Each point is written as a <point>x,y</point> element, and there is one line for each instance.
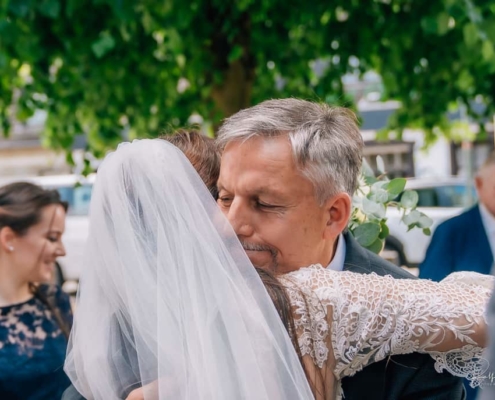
<point>281,300</point>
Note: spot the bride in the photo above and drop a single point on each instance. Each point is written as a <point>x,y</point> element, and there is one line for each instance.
<point>170,302</point>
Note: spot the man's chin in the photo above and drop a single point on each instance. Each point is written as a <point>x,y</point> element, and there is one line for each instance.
<point>262,259</point>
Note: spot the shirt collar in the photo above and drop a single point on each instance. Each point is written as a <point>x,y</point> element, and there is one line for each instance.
<point>337,263</point>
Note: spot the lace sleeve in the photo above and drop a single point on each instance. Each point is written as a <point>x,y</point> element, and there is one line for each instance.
<point>372,317</point>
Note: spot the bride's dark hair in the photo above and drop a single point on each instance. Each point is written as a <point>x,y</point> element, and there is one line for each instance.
<point>281,300</point>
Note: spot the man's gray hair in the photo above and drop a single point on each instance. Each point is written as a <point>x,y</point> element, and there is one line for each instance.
<point>326,142</point>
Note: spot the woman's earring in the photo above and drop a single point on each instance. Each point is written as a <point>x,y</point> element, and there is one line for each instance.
<point>11,248</point>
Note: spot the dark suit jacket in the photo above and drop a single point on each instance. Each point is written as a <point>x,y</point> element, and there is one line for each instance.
<point>403,377</point>
<point>458,244</point>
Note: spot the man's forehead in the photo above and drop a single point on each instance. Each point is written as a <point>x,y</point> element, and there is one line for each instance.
<point>274,146</point>
<point>254,187</point>
<point>267,158</point>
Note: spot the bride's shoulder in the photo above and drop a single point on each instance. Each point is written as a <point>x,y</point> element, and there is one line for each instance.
<point>317,277</point>
<point>309,276</point>
<point>313,269</point>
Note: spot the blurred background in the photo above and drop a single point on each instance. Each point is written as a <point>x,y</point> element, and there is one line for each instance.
<point>77,77</point>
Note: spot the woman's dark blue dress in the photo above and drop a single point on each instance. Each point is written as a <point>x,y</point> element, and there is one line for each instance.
<point>32,348</point>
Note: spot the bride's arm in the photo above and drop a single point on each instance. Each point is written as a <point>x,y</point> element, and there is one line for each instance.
<point>371,317</point>
<point>380,316</point>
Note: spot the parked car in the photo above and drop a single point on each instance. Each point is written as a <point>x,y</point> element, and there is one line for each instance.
<point>76,190</point>
<point>440,199</point>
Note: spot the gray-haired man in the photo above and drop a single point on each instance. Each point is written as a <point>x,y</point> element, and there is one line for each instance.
<point>289,168</point>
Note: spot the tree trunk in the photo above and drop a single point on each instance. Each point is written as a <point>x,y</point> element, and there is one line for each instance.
<point>234,92</point>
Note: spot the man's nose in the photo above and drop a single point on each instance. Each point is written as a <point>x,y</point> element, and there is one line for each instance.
<point>239,217</point>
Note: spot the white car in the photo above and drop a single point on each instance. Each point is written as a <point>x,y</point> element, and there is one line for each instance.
<point>440,199</point>
<point>76,190</point>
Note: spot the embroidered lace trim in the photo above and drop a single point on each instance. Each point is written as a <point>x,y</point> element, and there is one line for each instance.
<point>372,317</point>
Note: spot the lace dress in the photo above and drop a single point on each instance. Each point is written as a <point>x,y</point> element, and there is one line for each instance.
<point>32,348</point>
<point>345,321</point>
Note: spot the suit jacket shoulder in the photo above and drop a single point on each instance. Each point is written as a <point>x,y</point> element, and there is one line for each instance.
<point>460,225</point>
<point>362,261</point>
<point>458,244</point>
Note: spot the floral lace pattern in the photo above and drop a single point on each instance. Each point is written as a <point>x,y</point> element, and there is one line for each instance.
<point>369,317</point>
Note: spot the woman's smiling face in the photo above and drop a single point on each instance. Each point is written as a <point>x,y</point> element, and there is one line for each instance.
<point>35,252</point>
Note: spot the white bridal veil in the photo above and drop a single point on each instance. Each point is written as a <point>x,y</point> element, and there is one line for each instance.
<point>168,298</point>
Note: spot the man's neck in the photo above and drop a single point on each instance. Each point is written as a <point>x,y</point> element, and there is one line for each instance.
<point>338,256</point>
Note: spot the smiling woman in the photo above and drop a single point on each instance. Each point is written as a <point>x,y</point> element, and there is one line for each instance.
<point>35,316</point>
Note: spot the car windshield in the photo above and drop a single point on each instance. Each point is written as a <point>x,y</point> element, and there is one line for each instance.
<point>446,196</point>
<point>78,198</point>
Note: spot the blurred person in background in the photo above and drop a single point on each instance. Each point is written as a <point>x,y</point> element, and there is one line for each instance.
<point>467,241</point>
<point>35,315</point>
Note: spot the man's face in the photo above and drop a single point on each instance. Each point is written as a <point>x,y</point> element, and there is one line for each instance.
<point>485,185</point>
<point>271,206</point>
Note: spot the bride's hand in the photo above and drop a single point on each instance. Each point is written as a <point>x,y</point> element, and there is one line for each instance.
<point>151,391</point>
<point>136,394</point>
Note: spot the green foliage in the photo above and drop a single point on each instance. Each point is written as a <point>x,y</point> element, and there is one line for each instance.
<point>368,221</point>
<point>112,68</point>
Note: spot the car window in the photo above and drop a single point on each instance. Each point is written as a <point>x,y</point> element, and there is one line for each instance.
<point>445,196</point>
<point>78,198</point>
<point>427,197</point>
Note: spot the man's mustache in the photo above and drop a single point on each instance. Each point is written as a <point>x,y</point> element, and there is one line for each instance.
<point>258,247</point>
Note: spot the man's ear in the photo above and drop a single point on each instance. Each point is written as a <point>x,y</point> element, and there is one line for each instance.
<point>337,213</point>
<point>7,238</point>
<point>478,182</point>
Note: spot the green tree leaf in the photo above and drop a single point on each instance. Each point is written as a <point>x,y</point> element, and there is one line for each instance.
<point>443,23</point>
<point>424,221</point>
<point>487,51</point>
<point>380,164</point>
<point>376,247</point>
<point>373,210</point>
<point>384,230</point>
<point>122,61</point>
<point>379,196</point>
<point>396,186</point>
<point>103,45</point>
<point>235,53</point>
<point>412,219</point>
<point>470,34</point>
<point>409,199</point>
<point>367,233</point>
<point>49,8</point>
